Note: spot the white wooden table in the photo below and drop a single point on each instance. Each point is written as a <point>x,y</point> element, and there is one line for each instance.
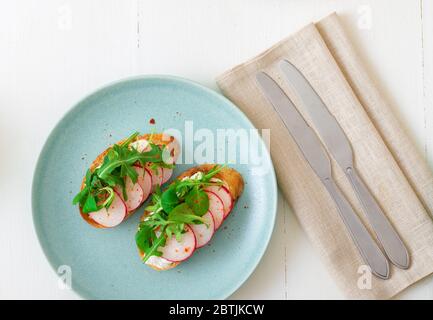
<point>53,52</point>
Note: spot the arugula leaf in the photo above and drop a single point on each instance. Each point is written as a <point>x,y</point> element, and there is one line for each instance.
<point>81,197</point>
<point>85,198</point>
<point>176,229</point>
<point>169,200</point>
<point>125,158</point>
<point>153,251</point>
<point>184,214</point>
<point>114,180</point>
<point>88,181</point>
<point>130,139</point>
<point>156,205</point>
<point>143,237</point>
<point>183,202</point>
<point>109,199</point>
<point>116,166</point>
<point>198,200</point>
<point>217,168</point>
<point>90,204</point>
<point>148,242</point>
<point>127,171</point>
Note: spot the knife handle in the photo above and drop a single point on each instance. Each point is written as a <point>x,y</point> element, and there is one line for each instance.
<point>367,247</point>
<point>385,232</point>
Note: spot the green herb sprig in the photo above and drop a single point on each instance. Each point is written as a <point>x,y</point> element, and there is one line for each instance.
<point>118,164</point>
<point>183,202</point>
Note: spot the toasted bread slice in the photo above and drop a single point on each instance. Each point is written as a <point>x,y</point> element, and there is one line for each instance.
<point>231,179</point>
<point>158,139</point>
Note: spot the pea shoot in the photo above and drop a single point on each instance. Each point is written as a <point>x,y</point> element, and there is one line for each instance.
<point>183,202</point>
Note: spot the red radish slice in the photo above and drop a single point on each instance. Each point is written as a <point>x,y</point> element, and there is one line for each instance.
<point>216,207</point>
<point>112,216</point>
<point>144,180</point>
<point>179,251</point>
<point>156,176</point>
<point>224,194</point>
<point>171,152</point>
<point>204,232</point>
<point>134,192</point>
<point>140,145</point>
<point>166,174</point>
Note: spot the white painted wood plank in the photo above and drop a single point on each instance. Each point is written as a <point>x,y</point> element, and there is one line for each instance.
<point>424,289</point>
<point>52,54</point>
<point>55,52</point>
<point>392,52</point>
<point>427,63</point>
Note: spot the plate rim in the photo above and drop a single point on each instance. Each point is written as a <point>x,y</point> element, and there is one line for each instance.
<point>36,174</point>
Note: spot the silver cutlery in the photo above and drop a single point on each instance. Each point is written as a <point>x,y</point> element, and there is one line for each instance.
<point>318,159</point>
<point>338,145</point>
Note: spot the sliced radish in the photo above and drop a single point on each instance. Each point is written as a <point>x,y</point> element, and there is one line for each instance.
<point>171,152</point>
<point>144,180</point>
<point>112,216</point>
<point>178,251</point>
<point>216,207</point>
<point>224,194</point>
<point>166,174</point>
<point>140,145</point>
<point>156,176</point>
<point>204,232</point>
<point>134,192</point>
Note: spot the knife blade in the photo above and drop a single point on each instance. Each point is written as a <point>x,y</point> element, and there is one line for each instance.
<point>340,148</point>
<point>313,151</point>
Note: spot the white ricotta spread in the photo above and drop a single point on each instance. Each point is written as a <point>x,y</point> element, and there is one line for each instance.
<point>140,145</point>
<point>158,262</point>
<point>196,176</point>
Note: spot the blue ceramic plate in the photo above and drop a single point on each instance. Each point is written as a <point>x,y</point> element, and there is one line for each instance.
<point>104,262</point>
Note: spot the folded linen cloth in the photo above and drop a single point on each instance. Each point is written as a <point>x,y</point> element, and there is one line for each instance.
<point>389,163</point>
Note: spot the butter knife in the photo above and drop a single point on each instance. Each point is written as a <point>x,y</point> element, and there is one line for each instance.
<point>339,147</point>
<point>316,156</point>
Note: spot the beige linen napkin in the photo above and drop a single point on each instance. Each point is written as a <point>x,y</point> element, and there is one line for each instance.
<point>392,167</point>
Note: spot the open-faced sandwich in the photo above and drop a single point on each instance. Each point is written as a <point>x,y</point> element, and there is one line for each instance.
<point>185,216</point>
<point>122,177</point>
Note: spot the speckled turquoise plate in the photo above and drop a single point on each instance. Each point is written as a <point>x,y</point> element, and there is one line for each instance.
<point>104,262</point>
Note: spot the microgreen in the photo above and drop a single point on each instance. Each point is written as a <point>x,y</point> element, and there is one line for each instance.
<point>118,164</point>
<point>169,200</point>
<point>183,202</point>
<point>148,241</point>
<point>198,201</point>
